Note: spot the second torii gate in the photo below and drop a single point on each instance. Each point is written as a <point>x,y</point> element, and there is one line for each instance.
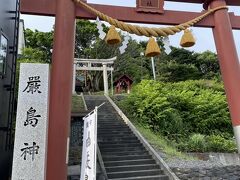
<point>65,12</point>
<point>86,65</point>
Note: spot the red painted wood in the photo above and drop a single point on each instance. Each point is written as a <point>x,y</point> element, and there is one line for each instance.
<point>61,90</point>
<point>228,2</point>
<point>38,7</point>
<point>129,14</point>
<point>126,14</point>
<point>228,60</point>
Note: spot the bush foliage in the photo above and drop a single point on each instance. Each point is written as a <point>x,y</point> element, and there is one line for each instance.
<point>193,111</point>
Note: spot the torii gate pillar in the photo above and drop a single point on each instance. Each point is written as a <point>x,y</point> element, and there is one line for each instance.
<point>229,64</point>
<point>61,90</point>
<point>105,79</point>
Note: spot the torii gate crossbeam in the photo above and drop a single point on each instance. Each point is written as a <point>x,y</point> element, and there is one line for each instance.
<point>129,14</point>
<point>65,11</point>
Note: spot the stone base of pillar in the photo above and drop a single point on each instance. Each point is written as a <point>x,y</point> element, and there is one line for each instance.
<point>236,130</point>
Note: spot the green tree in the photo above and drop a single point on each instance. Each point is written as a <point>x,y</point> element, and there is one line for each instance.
<point>41,41</point>
<point>181,65</point>
<point>207,63</point>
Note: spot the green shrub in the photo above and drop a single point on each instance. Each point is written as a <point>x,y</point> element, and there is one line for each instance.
<point>195,143</point>
<point>217,143</point>
<point>181,108</point>
<point>212,143</point>
<point>178,110</point>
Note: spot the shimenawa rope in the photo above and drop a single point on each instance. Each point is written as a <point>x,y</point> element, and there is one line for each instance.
<point>146,31</point>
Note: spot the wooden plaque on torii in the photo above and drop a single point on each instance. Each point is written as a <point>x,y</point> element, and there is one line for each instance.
<point>150,6</point>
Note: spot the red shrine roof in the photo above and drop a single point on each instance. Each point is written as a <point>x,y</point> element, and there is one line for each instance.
<point>123,77</point>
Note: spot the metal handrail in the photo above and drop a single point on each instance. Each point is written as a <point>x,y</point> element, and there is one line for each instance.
<point>99,155</point>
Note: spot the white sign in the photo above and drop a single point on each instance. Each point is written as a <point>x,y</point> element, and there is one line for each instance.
<point>30,147</point>
<point>89,151</point>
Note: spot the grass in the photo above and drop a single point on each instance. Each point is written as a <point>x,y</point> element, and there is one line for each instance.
<point>160,143</point>
<point>77,104</point>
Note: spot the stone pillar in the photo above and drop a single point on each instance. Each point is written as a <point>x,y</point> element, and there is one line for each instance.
<point>61,90</point>
<point>112,82</point>
<point>105,79</point>
<point>229,63</point>
<point>74,78</point>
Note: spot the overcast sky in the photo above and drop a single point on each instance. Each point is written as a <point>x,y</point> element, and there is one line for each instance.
<point>203,36</point>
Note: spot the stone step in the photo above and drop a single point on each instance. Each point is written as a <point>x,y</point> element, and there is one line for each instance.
<point>124,174</point>
<point>120,149</point>
<point>109,112</point>
<point>120,142</point>
<point>115,139</point>
<point>125,157</point>
<point>109,119</point>
<point>105,129</point>
<point>126,153</point>
<point>114,124</point>
<point>108,126</point>
<point>115,132</point>
<point>156,177</point>
<point>102,128</point>
<point>133,167</point>
<point>111,125</point>
<point>128,162</point>
<point>103,146</point>
<point>116,135</point>
<point>128,131</point>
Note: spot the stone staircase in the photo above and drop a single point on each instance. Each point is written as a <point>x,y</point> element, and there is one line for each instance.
<point>124,156</point>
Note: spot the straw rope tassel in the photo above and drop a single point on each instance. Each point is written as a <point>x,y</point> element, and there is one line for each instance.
<point>187,39</point>
<point>113,36</point>
<point>152,48</point>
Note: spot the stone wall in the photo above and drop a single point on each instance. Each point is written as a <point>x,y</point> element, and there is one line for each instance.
<point>213,173</point>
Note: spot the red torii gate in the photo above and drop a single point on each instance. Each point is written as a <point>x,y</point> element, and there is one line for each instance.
<point>65,11</point>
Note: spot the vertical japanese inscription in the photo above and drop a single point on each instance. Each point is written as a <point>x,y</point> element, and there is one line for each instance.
<point>30,150</point>
<point>88,169</point>
<point>33,85</point>
<point>32,122</point>
<point>31,119</point>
